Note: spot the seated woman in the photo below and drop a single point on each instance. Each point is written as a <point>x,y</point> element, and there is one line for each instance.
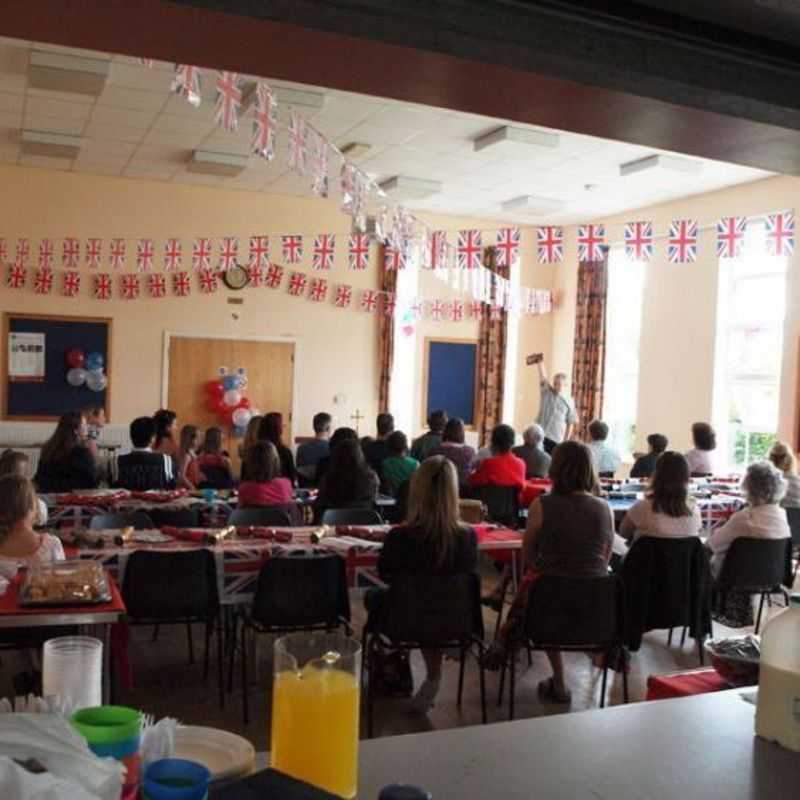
<point>781,455</point>
<point>606,459</point>
<point>699,457</point>
<point>763,518</point>
<point>271,430</point>
<point>645,465</point>
<point>502,468</point>
<point>15,462</point>
<point>189,475</point>
<point>339,435</point>
<point>65,463</point>
<point>214,462</point>
<point>166,423</point>
<point>667,511</point>
<point>348,482</point>
<point>249,439</point>
<point>264,485</point>
<point>431,542</point>
<point>454,448</point>
<point>398,467</point>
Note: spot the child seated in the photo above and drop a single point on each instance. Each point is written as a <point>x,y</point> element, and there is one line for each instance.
<point>214,462</point>
<point>264,486</point>
<point>15,462</point>
<point>189,474</point>
<point>95,422</point>
<point>142,469</point>
<point>398,468</point>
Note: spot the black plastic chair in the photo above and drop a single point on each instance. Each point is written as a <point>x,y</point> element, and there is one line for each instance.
<point>397,513</point>
<point>756,566</point>
<point>137,519</point>
<point>502,504</point>
<point>216,478</point>
<point>793,517</point>
<point>302,593</point>
<point>351,516</point>
<point>266,516</point>
<point>176,588</point>
<point>428,611</point>
<point>571,614</point>
<point>176,518</point>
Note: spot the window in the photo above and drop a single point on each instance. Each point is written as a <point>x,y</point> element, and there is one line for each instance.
<point>623,332</point>
<point>751,308</point>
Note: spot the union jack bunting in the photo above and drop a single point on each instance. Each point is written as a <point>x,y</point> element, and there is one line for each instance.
<point>469,249</point>
<point>508,240</point>
<point>144,255</point>
<point>591,239</point>
<point>130,286</point>
<point>297,284</point>
<point>186,83</point>
<point>457,311</point>
<point>392,258</point>
<point>438,310</point>
<point>23,251</point>
<point>146,62</point>
<point>438,249</point>
<point>417,308</point>
<point>369,300</point>
<point>116,254</point>
<point>319,165</point>
<point>71,283</point>
<point>344,294</point>
<point>157,285</point>
<point>3,251</point>
<point>780,234</point>
<point>264,123</point>
<point>228,252</point>
<point>388,303</point>
<point>550,244</point>
<point>173,255</point>
<point>229,100</point>
<point>17,275</point>
<point>475,309</point>
<point>101,286</point>
<point>274,276</point>
<point>298,147</point>
<point>209,282</point>
<point>181,285</point>
<point>259,251</point>
<point>201,254</point>
<point>730,236</point>
<point>358,251</point>
<point>255,276</point>
<point>94,249</point>
<point>70,253</point>
<point>324,248</point>
<point>682,241</point>
<point>639,240</point>
<point>292,247</point>
<point>353,189</point>
<point>46,254</point>
<point>318,290</point>
<point>43,281</point>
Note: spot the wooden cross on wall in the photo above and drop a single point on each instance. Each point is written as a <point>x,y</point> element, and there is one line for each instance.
<point>358,416</point>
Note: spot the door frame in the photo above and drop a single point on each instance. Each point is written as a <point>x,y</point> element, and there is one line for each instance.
<point>168,335</point>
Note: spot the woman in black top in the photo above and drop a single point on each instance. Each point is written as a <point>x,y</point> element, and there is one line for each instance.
<point>271,430</point>
<point>348,481</point>
<point>65,462</point>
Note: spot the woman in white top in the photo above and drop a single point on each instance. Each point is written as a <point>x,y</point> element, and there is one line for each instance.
<point>699,457</point>
<point>763,518</point>
<point>781,455</point>
<point>667,511</point>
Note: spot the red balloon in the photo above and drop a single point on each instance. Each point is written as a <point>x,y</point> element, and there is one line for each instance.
<point>244,403</point>
<point>215,388</point>
<point>76,357</point>
<point>225,418</point>
<point>215,405</point>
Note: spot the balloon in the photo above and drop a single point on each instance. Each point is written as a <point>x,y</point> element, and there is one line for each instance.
<point>239,431</point>
<point>240,417</point>
<point>215,388</point>
<point>96,380</point>
<point>215,405</point>
<point>225,418</point>
<point>230,382</point>
<point>76,376</point>
<point>232,398</point>
<point>95,361</point>
<point>76,357</point>
<point>244,403</point>
<point>408,330</point>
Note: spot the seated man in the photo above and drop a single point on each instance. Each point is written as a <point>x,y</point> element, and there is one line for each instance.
<point>606,459</point>
<point>537,461</point>
<point>142,469</point>
<point>376,451</point>
<point>645,465</point>
<point>502,468</point>
<point>424,445</point>
<point>310,453</point>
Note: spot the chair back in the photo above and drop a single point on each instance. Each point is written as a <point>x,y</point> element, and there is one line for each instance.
<point>433,609</point>
<point>302,592</point>
<point>142,477</point>
<point>502,504</point>
<point>266,516</point>
<point>170,585</point>
<point>216,478</point>
<point>755,565</point>
<point>177,518</point>
<point>137,519</point>
<point>793,518</point>
<point>351,516</point>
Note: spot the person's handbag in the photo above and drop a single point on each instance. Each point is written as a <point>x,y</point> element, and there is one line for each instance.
<point>391,671</point>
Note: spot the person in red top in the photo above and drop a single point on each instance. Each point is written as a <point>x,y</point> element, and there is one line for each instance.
<point>264,486</point>
<point>502,468</point>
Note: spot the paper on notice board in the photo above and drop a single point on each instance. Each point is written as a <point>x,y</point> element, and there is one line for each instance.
<point>25,356</point>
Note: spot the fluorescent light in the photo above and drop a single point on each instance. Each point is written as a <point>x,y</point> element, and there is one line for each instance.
<point>531,204</point>
<point>670,163</point>
<point>48,143</point>
<point>401,188</point>
<point>355,149</point>
<point>206,162</point>
<point>299,97</point>
<point>507,136</point>
<point>59,72</point>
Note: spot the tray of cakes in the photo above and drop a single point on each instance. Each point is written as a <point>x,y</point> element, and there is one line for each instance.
<point>65,583</point>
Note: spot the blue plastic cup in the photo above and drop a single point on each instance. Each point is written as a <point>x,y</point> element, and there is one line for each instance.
<point>176,779</point>
<point>209,495</point>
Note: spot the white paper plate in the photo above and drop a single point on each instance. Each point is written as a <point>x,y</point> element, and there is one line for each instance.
<point>225,754</point>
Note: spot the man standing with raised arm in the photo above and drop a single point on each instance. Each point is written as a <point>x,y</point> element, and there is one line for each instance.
<point>556,409</point>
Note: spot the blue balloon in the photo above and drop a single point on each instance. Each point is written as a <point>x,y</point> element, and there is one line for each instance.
<point>95,361</point>
<point>230,382</point>
<point>239,431</point>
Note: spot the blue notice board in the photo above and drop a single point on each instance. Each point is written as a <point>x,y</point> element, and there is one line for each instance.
<point>452,371</point>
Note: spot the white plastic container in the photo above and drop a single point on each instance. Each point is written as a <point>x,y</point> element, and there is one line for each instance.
<point>778,711</point>
<point>72,670</point>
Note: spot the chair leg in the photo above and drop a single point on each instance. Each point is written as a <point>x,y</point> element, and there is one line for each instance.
<point>603,682</point>
<point>625,683</point>
<point>482,679</point>
<point>462,661</point>
<point>220,663</point>
<point>501,684</point>
<point>760,609</point>
<point>155,633</point>
<point>683,637</point>
<point>512,684</point>
<point>191,642</point>
<point>700,650</point>
<point>231,644</point>
<point>530,654</point>
<point>669,638</point>
<point>209,631</point>
<point>245,688</point>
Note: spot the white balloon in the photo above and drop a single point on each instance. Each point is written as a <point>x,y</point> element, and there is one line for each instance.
<point>96,380</point>
<point>76,376</point>
<point>241,417</point>
<point>232,398</point>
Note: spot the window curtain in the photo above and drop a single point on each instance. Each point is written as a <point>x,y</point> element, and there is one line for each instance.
<point>588,364</point>
<point>388,284</point>
<point>493,334</point>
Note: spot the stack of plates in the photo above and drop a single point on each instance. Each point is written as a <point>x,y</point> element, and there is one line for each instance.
<point>225,754</point>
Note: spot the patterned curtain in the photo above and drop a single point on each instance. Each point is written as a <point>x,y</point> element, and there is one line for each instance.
<point>388,283</point>
<point>491,356</point>
<point>588,365</point>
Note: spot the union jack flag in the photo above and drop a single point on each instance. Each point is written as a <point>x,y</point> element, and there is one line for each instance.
<point>173,255</point>
<point>70,253</point>
<point>475,309</point>
<point>438,310</point>
<point>438,249</point>
<point>682,242</point>
<point>201,254</point>
<point>17,275</point>
<point>43,281</point>
<point>228,251</point>
<point>186,83</point>
<point>93,251</point>
<point>23,251</point>
<point>102,286</point>
<point>3,251</point>
<point>274,276</point>
<point>508,240</point>
<point>369,300</point>
<point>639,240</point>
<point>255,276</point>
<point>344,294</point>
<point>181,285</point>
<point>292,247</point>
<point>71,283</point>
<point>550,244</point>
<point>209,283</point>
<point>130,286</point>
<point>298,148</point>
<point>358,251</point>
<point>319,165</point>
<point>780,234</point>
<point>264,121</point>
<point>157,285</point>
<point>590,242</point>
<point>46,254</point>
<point>457,311</point>
<point>116,254</point>
<point>324,248</point>
<point>297,284</point>
<point>259,251</point>
<point>730,236</point>
<point>144,255</point>
<point>318,290</point>
<point>229,99</point>
<point>393,258</point>
<point>469,249</point>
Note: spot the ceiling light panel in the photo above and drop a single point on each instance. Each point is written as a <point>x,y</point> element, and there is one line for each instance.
<point>207,162</point>
<point>401,188</point>
<point>672,164</point>
<point>50,144</point>
<point>59,72</point>
<point>530,204</point>
<point>510,139</point>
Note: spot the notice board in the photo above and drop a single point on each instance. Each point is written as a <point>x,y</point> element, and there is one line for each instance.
<point>451,377</point>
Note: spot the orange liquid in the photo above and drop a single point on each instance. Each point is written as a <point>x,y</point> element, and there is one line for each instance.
<point>315,728</point>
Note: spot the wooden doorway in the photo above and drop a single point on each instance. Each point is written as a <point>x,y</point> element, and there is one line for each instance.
<point>190,362</point>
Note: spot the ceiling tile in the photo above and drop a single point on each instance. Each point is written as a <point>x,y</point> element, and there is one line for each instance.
<point>104,115</point>
<point>50,107</point>
<point>138,76</point>
<point>100,147</point>
<point>376,135</point>
<point>163,154</point>
<point>175,104</point>
<point>38,122</point>
<point>137,99</point>
<point>189,139</point>
<point>113,133</point>
<point>174,123</point>
<point>197,180</point>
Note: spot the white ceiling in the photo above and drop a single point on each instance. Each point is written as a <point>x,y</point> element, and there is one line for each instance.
<point>137,128</point>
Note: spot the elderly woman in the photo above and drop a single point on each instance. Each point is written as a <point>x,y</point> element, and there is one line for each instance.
<point>763,518</point>
<point>781,455</point>
<point>537,461</point>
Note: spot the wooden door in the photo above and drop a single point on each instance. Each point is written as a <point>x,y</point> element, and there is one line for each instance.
<point>194,362</point>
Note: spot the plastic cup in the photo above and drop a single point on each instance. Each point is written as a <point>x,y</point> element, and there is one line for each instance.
<point>72,669</point>
<point>176,779</point>
<point>209,495</point>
